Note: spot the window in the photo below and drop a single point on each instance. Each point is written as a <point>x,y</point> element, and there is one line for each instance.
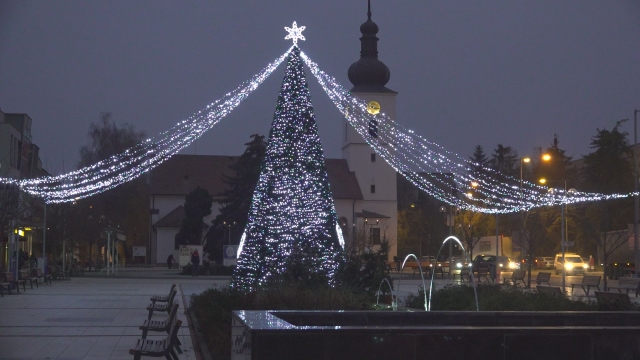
<point>375,236</point>
<point>373,189</point>
<point>373,157</point>
<point>485,246</point>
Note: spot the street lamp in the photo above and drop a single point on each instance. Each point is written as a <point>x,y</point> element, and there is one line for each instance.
<point>636,253</point>
<point>562,224</point>
<point>229,225</point>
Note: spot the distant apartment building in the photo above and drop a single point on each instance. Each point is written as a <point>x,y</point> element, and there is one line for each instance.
<point>19,159</point>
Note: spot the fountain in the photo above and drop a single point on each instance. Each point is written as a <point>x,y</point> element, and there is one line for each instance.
<point>466,256</point>
<point>394,299</point>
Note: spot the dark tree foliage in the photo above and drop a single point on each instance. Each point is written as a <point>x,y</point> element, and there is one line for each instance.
<point>237,198</point>
<point>503,160</point>
<point>557,169</point>
<point>608,168</point>
<point>479,160</point>
<point>197,205</point>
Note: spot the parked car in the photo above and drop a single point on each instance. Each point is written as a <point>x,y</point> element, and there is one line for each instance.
<point>573,264</point>
<point>545,262</point>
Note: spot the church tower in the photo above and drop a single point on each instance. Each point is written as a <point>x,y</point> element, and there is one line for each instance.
<point>378,216</point>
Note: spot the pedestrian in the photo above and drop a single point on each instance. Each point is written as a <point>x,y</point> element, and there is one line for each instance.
<point>592,263</point>
<point>195,261</point>
<point>170,261</point>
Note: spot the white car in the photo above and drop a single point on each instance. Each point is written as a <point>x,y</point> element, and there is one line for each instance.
<point>573,264</point>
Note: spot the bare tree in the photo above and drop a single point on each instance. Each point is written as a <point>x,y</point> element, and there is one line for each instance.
<point>597,227</point>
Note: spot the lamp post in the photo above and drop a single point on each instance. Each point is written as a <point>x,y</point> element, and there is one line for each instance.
<point>562,230</point>
<point>636,253</point>
<point>229,225</point>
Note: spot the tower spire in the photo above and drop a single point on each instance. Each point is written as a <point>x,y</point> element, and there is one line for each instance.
<point>369,74</point>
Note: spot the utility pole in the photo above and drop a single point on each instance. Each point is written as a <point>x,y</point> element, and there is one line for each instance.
<point>636,253</point>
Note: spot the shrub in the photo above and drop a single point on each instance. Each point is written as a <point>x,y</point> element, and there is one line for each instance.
<point>213,307</point>
<point>495,298</point>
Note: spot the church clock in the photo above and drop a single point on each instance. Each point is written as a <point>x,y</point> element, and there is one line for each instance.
<point>373,107</point>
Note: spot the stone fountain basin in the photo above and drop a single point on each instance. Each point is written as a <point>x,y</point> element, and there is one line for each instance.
<point>435,335</point>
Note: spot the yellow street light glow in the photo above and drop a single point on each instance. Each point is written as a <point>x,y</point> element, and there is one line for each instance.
<point>469,195</point>
<point>542,181</point>
<point>526,160</point>
<point>474,184</point>
<point>546,157</point>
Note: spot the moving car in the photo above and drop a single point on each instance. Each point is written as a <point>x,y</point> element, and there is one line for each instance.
<point>573,264</point>
<point>486,261</point>
<point>545,262</point>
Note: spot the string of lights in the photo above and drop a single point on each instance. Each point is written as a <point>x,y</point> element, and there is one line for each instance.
<point>441,173</point>
<point>133,162</point>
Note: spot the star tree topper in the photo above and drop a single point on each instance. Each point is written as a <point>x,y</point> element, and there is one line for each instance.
<point>295,33</point>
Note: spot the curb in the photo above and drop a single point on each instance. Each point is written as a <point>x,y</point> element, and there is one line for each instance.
<point>197,339</point>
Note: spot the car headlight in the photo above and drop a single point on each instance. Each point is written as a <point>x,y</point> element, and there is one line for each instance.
<point>568,266</point>
<point>501,265</point>
<point>459,265</point>
<point>513,265</point>
<point>585,266</point>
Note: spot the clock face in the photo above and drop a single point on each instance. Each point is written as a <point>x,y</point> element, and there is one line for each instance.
<point>373,107</point>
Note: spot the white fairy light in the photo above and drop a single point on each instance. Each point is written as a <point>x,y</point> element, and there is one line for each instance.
<point>438,172</point>
<point>143,157</point>
<point>295,33</point>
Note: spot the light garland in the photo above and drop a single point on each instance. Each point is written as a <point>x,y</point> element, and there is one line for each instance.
<point>438,172</point>
<point>133,162</point>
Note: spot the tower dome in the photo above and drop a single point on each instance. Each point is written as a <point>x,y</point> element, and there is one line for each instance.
<point>369,74</point>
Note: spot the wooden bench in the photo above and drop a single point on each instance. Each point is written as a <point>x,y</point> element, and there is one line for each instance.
<point>463,272</point>
<point>163,298</point>
<point>162,325</point>
<point>482,272</point>
<point>627,284</point>
<point>37,272</point>
<point>26,276</point>
<point>10,278</point>
<point>166,307</point>
<point>588,281</point>
<point>543,277</point>
<point>516,275</point>
<point>157,348</point>
<point>4,284</point>
<point>613,300</point>
<point>440,270</point>
<point>552,291</point>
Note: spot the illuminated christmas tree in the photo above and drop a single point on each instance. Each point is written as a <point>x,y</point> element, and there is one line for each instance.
<point>292,230</point>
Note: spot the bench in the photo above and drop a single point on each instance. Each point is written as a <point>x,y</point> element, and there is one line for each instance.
<point>463,272</point>
<point>588,281</point>
<point>10,278</point>
<point>26,276</point>
<point>543,277</point>
<point>613,300</point>
<point>551,291</point>
<point>37,273</point>
<point>482,272</point>
<point>158,348</point>
<point>156,307</point>
<point>163,298</point>
<point>628,284</point>
<point>162,325</point>
<point>439,269</point>
<point>4,284</point>
<point>516,275</point>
